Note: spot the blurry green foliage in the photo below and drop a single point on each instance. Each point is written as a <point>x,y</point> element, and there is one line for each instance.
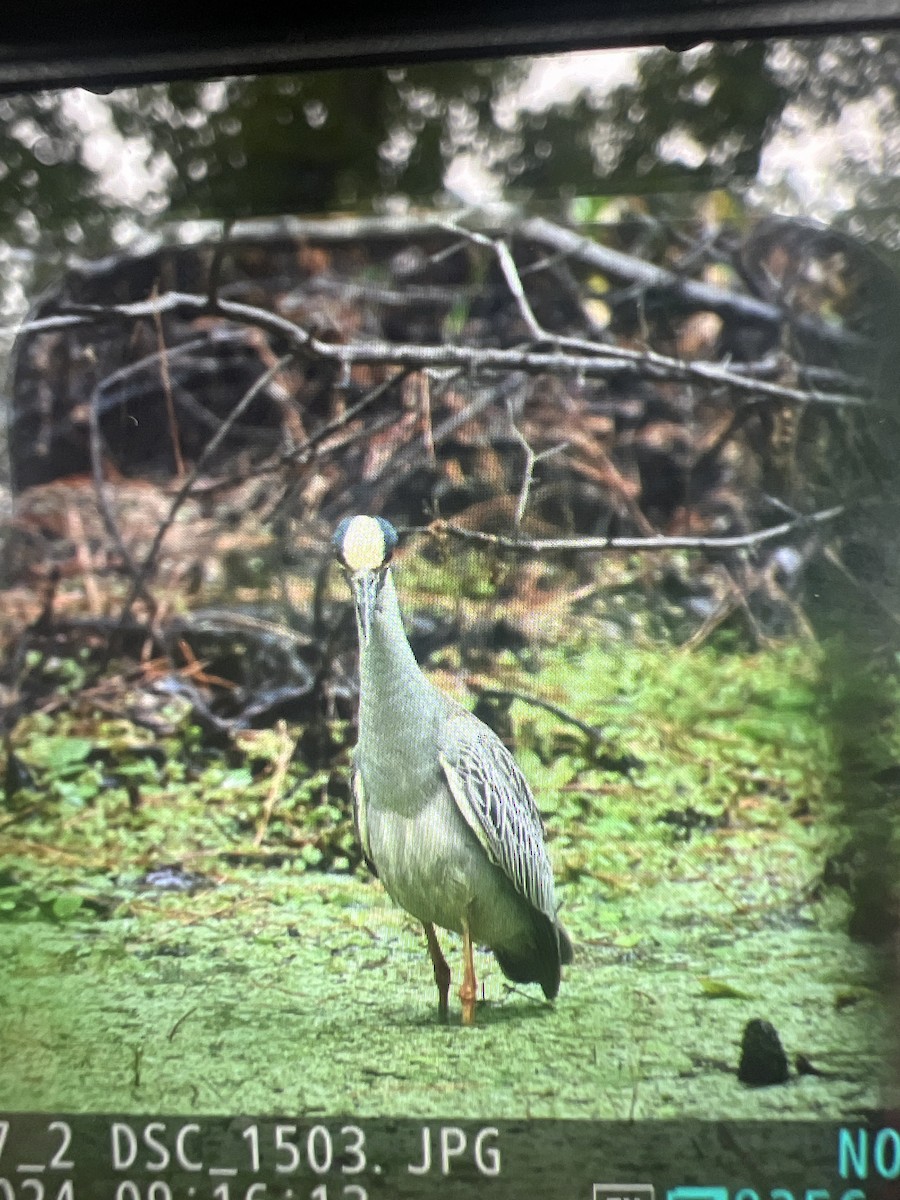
<point>345,139</point>
<point>350,138</point>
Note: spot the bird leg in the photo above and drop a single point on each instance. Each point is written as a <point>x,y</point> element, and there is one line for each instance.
<point>441,970</point>
<point>468,991</point>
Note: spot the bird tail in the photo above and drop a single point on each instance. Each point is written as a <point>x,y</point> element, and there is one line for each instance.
<point>540,961</point>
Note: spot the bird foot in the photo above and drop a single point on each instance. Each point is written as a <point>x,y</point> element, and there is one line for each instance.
<point>468,1008</point>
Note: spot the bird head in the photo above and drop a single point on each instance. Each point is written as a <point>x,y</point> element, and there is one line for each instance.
<point>364,546</point>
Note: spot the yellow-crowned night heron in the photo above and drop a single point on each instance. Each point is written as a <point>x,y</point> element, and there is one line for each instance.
<point>444,815</point>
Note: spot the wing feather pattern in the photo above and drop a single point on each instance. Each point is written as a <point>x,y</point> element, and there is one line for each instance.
<point>496,802</point>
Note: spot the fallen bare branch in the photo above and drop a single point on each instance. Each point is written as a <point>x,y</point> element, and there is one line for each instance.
<point>692,293</point>
<point>596,360</point>
<point>521,544</point>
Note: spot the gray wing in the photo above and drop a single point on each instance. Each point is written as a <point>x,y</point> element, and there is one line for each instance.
<point>494,798</point>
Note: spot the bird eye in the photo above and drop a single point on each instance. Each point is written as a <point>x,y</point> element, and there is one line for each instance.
<point>391,538</point>
<point>337,538</point>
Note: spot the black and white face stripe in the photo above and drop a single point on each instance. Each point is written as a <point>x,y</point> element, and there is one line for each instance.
<point>364,543</point>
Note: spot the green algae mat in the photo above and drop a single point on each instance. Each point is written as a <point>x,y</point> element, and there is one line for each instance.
<point>178,934</point>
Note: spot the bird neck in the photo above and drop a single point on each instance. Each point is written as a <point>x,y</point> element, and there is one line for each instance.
<point>387,666</point>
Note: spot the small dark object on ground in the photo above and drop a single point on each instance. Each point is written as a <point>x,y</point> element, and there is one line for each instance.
<point>173,878</point>
<point>763,1060</point>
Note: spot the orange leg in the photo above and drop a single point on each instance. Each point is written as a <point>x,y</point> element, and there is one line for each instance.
<point>468,992</point>
<point>441,970</point>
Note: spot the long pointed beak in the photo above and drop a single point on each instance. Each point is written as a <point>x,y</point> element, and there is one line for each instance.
<point>365,586</point>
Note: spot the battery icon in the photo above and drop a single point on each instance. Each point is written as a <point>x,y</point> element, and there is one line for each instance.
<point>623,1191</point>
<point>697,1193</point>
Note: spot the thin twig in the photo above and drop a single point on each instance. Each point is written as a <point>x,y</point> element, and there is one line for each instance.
<point>222,246</point>
<point>739,541</point>
<point>129,375</point>
<point>409,456</point>
<point>166,379</point>
<point>532,458</point>
<point>83,558</point>
<point>181,1020</point>
<point>871,595</point>
<point>515,285</point>
<point>527,472</point>
<point>143,572</point>
<point>286,747</point>
<point>300,454</point>
<point>591,731</point>
<point>734,599</point>
<point>422,385</point>
<point>106,516</point>
<point>511,275</point>
<point>712,621</point>
<point>214,620</point>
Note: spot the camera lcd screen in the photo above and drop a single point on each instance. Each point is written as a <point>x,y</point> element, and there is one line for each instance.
<point>591,361</point>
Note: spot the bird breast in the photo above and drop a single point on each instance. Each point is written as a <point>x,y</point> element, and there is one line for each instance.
<point>432,865</point>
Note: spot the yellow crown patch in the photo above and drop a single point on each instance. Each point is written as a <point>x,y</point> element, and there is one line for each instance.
<point>364,546</point>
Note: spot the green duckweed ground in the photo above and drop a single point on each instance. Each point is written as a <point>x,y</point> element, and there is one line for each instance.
<point>691,845</point>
